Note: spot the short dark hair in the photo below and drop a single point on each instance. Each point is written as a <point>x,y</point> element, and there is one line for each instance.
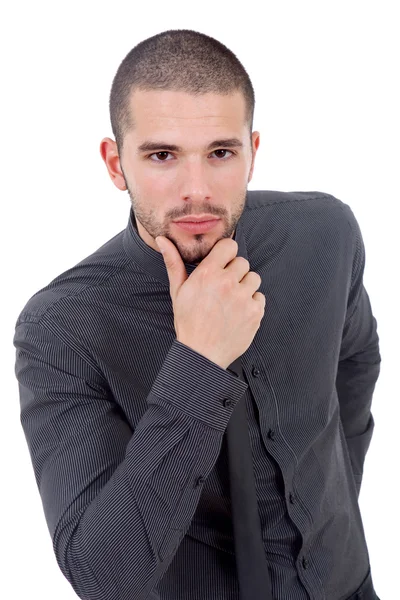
<point>178,60</point>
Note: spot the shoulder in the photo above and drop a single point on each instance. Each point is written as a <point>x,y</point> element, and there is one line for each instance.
<point>296,207</point>
<point>276,220</point>
<point>293,203</point>
<point>76,284</point>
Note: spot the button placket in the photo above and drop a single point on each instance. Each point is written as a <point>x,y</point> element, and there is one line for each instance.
<point>305,563</point>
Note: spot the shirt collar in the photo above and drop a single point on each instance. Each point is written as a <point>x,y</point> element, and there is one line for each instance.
<point>152,261</point>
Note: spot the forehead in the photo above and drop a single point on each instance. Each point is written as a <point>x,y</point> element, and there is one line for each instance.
<point>156,110</point>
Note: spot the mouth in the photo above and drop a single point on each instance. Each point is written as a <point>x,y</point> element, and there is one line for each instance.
<point>197,226</point>
<point>196,218</point>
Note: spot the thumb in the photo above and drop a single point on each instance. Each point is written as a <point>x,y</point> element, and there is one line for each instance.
<point>174,264</point>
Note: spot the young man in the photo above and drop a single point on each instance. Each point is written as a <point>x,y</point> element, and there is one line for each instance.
<point>123,360</point>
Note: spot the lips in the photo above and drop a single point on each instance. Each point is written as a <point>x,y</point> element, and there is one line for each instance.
<point>193,219</point>
<point>197,227</point>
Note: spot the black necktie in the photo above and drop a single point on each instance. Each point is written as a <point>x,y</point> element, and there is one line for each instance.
<point>251,563</point>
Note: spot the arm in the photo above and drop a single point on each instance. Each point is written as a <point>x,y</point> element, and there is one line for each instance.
<point>117,502</point>
<point>359,361</point>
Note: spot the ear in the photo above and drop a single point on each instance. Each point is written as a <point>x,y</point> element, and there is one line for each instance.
<point>109,153</point>
<point>255,139</point>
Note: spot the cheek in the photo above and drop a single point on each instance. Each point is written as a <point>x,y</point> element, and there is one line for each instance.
<point>151,183</point>
<point>232,180</point>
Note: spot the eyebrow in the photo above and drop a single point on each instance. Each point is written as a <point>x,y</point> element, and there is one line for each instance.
<point>148,146</point>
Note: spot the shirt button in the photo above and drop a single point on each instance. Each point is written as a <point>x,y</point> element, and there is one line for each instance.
<point>199,481</point>
<point>271,434</point>
<point>305,562</point>
<point>255,372</point>
<point>291,498</point>
<point>227,402</point>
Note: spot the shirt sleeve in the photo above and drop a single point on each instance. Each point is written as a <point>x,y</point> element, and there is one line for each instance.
<point>359,361</point>
<point>118,502</point>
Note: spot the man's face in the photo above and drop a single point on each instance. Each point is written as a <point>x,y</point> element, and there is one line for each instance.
<point>165,185</point>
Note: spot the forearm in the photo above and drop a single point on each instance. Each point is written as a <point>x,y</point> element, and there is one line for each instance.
<point>358,372</point>
<point>118,502</point>
<point>121,543</point>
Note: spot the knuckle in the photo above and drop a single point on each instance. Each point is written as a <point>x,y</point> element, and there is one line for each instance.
<point>227,282</point>
<point>257,278</point>
<point>245,261</point>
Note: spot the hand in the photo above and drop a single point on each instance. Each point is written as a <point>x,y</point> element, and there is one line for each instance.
<point>217,310</point>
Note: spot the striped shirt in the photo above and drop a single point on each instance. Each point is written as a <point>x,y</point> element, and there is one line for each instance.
<point>125,425</point>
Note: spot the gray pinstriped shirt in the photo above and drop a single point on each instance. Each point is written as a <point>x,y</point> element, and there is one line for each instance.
<point>125,425</point>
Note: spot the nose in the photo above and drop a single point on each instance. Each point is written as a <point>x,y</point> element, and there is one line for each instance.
<point>195,184</point>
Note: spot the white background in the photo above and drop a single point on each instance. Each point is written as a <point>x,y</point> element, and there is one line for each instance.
<point>325,76</point>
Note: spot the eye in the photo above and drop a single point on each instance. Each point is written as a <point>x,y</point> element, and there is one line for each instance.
<point>156,154</point>
<point>163,153</point>
<point>223,150</point>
